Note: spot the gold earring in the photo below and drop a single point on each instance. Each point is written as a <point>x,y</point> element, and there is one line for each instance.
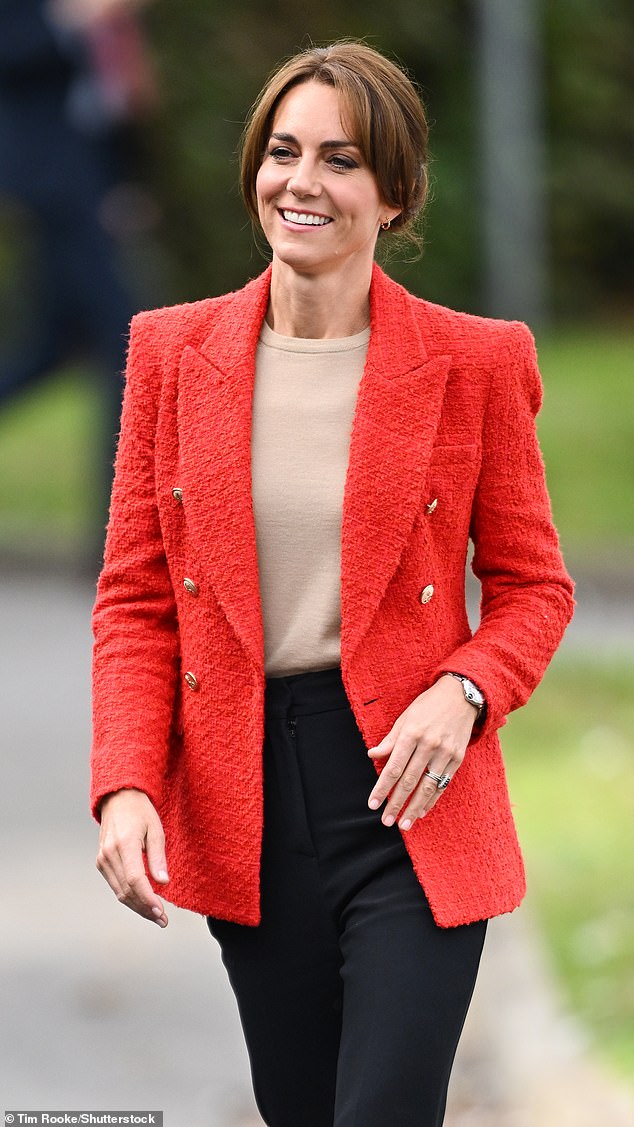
<point>386,224</point>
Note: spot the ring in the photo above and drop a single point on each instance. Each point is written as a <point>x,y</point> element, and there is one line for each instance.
<point>441,781</point>
<point>437,778</point>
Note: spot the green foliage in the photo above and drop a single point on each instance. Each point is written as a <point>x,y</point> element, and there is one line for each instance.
<point>570,756</point>
<point>213,63</point>
<point>212,60</point>
<point>213,66</point>
<point>590,93</point>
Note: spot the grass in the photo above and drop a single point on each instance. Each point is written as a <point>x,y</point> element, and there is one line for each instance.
<point>587,433</point>
<point>570,757</point>
<point>48,484</point>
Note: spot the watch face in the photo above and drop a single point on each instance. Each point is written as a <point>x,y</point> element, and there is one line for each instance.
<point>473,693</point>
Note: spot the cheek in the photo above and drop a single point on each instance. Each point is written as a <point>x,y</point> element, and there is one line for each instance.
<point>367,209</point>
<point>269,183</point>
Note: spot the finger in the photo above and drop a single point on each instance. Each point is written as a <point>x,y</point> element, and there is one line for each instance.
<point>155,852</point>
<point>108,874</point>
<point>122,868</point>
<point>426,795</point>
<point>392,771</point>
<point>141,898</point>
<point>138,893</point>
<point>384,747</point>
<point>411,782</point>
<point>414,785</point>
<point>423,800</point>
<point>110,864</point>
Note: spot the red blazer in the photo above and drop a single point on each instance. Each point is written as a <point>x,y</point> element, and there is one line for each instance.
<point>443,448</point>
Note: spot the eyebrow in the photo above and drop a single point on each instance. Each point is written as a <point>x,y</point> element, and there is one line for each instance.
<point>290,139</point>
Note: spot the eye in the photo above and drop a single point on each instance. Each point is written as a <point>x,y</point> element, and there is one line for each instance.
<point>280,152</point>
<point>342,164</point>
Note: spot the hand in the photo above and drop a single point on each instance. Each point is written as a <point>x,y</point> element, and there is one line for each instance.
<point>431,734</point>
<point>131,826</point>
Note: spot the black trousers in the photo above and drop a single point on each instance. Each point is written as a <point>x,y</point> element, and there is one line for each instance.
<point>351,998</point>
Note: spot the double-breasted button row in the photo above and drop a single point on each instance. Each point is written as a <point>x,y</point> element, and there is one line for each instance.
<point>427,593</point>
<point>177,494</point>
<point>432,506</point>
<point>190,587</point>
<point>191,681</point>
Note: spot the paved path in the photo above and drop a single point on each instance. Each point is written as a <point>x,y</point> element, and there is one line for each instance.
<point>104,1011</point>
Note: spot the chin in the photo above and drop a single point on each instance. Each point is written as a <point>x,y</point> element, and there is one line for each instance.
<point>298,258</point>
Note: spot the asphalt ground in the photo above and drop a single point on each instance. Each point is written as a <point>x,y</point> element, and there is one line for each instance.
<point>103,1011</point>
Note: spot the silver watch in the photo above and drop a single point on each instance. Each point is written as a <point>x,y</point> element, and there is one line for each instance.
<point>471,692</point>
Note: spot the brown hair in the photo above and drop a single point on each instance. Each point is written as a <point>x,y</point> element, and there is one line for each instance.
<point>385,117</point>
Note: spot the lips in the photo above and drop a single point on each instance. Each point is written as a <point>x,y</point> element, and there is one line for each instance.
<point>305,218</point>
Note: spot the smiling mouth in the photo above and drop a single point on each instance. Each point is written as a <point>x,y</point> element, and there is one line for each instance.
<point>305,218</point>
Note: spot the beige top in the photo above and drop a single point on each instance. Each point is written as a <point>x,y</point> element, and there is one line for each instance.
<point>303,406</point>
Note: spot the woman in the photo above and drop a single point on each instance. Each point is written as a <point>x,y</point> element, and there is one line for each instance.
<point>281,612</point>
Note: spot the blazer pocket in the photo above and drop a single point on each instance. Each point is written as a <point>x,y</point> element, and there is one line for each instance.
<point>177,715</point>
<point>449,484</point>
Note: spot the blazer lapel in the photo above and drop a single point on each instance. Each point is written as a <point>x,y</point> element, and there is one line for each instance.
<point>214,410</point>
<point>396,417</point>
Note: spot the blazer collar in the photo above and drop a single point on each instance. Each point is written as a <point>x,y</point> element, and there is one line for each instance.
<point>398,346</point>
<point>397,412</point>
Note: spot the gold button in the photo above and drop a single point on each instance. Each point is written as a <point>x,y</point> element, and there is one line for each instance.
<point>177,494</point>
<point>432,506</point>
<point>427,593</point>
<point>192,681</point>
<point>190,587</point>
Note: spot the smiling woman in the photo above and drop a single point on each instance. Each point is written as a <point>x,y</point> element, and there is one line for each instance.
<point>382,114</point>
<point>281,616</point>
<point>320,208</point>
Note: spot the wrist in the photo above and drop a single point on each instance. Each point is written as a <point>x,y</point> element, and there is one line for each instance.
<point>471,692</point>
<point>129,792</point>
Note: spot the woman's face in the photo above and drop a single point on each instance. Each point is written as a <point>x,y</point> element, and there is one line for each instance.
<point>318,202</point>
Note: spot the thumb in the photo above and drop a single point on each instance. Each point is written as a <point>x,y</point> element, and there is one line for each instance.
<point>155,851</point>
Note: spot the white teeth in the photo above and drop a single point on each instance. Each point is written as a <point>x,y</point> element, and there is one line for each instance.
<point>305,218</point>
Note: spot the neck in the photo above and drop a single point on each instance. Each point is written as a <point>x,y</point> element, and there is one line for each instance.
<point>320,307</point>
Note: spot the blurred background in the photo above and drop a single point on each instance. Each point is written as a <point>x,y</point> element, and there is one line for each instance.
<point>119,123</point>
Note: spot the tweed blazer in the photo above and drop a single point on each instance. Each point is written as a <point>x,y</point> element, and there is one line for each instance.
<point>443,450</point>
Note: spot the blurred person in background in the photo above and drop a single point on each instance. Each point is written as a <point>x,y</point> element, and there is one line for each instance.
<point>74,78</point>
<point>281,616</point>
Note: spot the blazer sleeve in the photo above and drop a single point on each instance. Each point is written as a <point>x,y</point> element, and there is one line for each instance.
<point>526,592</point>
<point>134,617</point>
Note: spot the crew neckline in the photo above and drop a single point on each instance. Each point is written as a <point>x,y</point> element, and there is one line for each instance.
<point>270,339</point>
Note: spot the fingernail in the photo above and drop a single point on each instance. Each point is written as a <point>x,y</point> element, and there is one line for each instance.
<point>157,911</point>
<point>374,804</point>
<point>162,875</point>
<point>406,823</point>
<point>388,820</point>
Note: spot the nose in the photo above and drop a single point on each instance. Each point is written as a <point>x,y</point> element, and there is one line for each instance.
<point>304,181</point>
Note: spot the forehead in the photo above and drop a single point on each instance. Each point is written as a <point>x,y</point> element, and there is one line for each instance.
<point>315,108</point>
